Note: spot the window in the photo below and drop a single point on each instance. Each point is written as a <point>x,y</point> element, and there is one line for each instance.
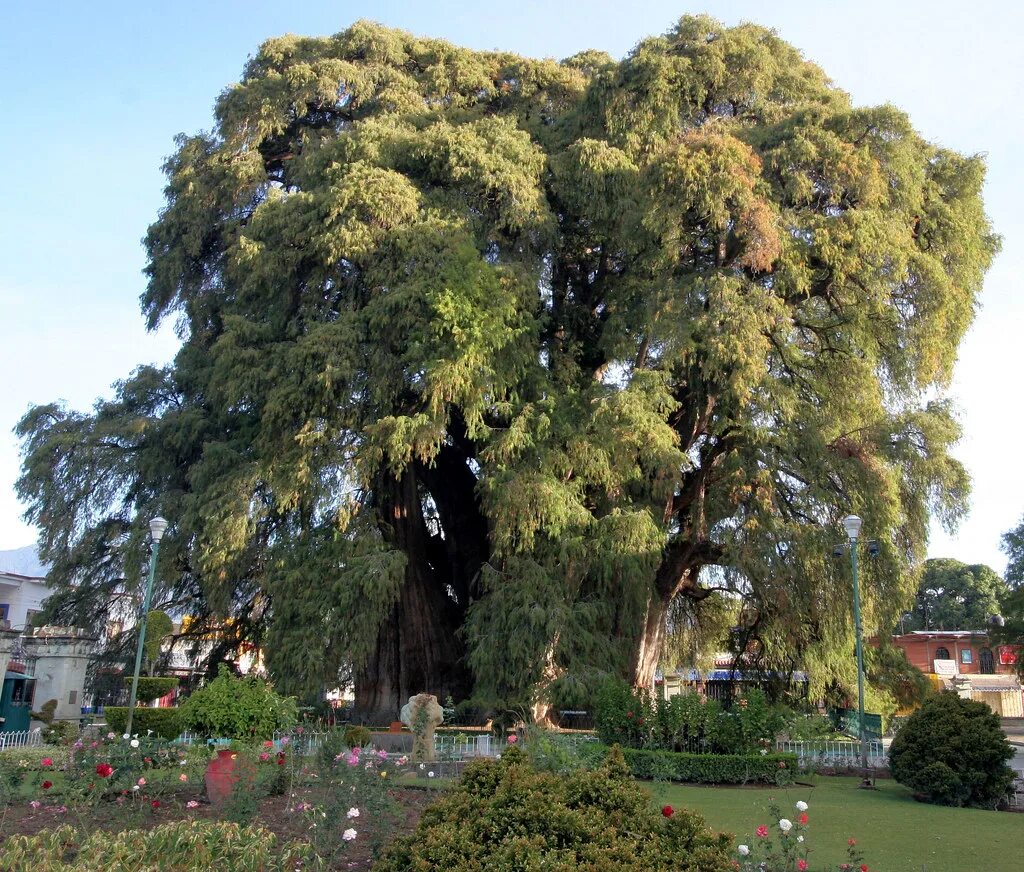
<point>942,653</point>
<point>988,662</point>
<point>966,656</point>
<point>72,697</point>
<point>4,609</point>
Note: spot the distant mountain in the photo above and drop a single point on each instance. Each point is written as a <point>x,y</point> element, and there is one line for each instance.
<point>22,561</point>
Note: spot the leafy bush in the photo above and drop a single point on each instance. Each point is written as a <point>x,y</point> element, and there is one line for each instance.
<point>164,722</point>
<point>702,768</point>
<point>357,737</point>
<point>185,846</point>
<point>685,722</point>
<point>552,752</point>
<point>622,715</point>
<point>238,708</point>
<point>953,751</point>
<point>151,688</point>
<point>503,815</point>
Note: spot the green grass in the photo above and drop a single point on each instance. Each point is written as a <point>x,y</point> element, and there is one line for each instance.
<point>896,833</point>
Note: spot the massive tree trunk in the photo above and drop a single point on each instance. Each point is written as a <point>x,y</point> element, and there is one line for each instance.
<point>651,642</point>
<point>418,649</point>
<point>677,576</point>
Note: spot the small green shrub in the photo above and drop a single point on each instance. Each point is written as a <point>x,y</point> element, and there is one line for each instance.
<point>623,715</point>
<point>953,751</point>
<point>685,722</point>
<point>151,688</point>
<point>702,768</point>
<point>238,708</point>
<point>185,846</point>
<point>502,815</point>
<point>357,737</point>
<point>166,723</point>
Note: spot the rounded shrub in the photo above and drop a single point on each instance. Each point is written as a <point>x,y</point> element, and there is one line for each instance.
<point>238,708</point>
<point>953,751</point>
<point>357,737</point>
<point>503,815</point>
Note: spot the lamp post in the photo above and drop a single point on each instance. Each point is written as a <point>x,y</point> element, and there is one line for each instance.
<point>852,525</point>
<point>156,530</point>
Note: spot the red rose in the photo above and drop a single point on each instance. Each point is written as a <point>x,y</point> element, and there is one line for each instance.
<point>629,714</point>
<point>47,761</point>
<point>640,721</point>
<point>155,803</point>
<point>801,864</point>
<point>851,842</point>
<point>104,770</point>
<point>47,785</point>
<point>667,810</point>
<point>863,867</point>
<point>803,818</point>
<point>762,831</point>
<point>280,761</point>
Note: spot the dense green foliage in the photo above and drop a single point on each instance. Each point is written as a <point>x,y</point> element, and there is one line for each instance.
<point>684,722</point>
<point>747,768</point>
<point>503,816</point>
<point>151,688</point>
<point>955,596</point>
<point>894,683</point>
<point>185,846</point>
<point>158,627</point>
<point>953,751</point>
<point>237,708</point>
<point>495,361</point>
<point>167,723</point>
<point>357,736</point>
<point>1013,545</point>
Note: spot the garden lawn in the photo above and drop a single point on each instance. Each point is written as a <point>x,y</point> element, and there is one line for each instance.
<point>896,833</point>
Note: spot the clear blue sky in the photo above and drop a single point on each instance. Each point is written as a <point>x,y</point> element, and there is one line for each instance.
<point>93,94</point>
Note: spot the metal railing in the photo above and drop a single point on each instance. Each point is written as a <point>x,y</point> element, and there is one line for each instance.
<point>828,752</point>
<point>21,739</point>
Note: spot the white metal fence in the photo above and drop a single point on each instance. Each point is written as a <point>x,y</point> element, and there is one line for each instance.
<point>21,739</point>
<point>828,752</point>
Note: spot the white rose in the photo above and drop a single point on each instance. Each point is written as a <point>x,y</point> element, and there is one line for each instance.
<point>430,775</point>
<point>134,743</point>
<point>348,835</point>
<point>785,825</point>
<point>801,806</point>
<point>744,850</point>
<point>799,838</point>
<point>353,813</point>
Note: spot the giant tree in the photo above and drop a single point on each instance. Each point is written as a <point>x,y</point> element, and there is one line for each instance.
<point>955,596</point>
<point>490,363</point>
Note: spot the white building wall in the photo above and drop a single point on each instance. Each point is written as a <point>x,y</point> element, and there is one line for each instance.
<point>21,594</point>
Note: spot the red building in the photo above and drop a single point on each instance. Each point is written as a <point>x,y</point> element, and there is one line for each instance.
<point>964,661</point>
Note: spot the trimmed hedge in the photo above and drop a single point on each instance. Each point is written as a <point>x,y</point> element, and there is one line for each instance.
<point>701,768</point>
<point>164,722</point>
